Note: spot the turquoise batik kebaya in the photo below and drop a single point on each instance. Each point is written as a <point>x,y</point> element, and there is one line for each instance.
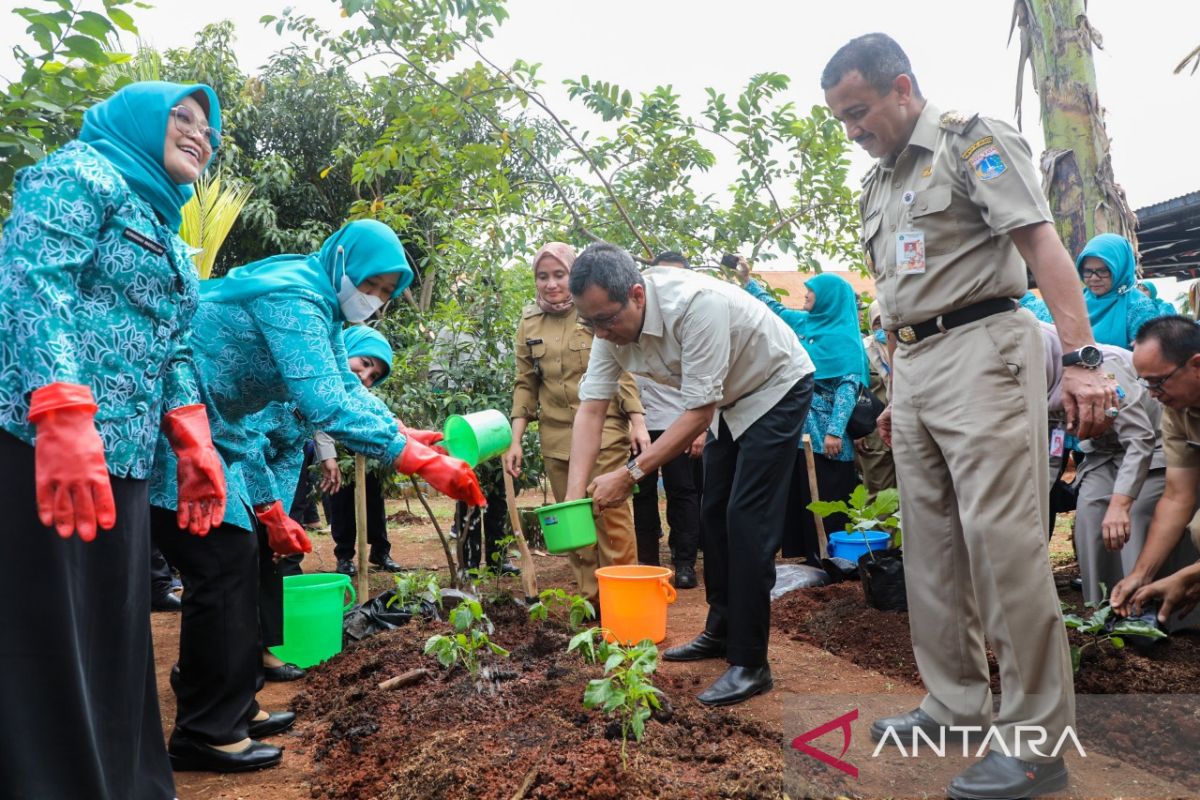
<point>1117,314</point>
<point>94,288</point>
<point>274,334</point>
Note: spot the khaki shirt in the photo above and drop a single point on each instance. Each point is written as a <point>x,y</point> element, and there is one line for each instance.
<point>1180,429</point>
<point>712,341</point>
<point>552,353</point>
<point>964,181</point>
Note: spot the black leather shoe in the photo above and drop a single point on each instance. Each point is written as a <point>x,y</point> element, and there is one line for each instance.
<point>346,567</point>
<point>999,776</point>
<point>902,726</point>
<point>275,723</point>
<point>386,565</point>
<point>190,755</point>
<point>703,646</point>
<point>737,685</point>
<point>282,674</point>
<point>685,576</point>
<point>509,568</point>
<point>166,602</point>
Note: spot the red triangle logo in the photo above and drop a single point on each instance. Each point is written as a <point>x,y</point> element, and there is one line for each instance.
<point>801,743</point>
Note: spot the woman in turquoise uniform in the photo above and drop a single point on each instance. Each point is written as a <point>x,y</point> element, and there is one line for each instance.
<point>1115,307</point>
<point>272,331</point>
<point>97,295</point>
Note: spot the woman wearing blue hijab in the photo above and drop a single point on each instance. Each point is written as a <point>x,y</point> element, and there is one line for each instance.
<point>1116,309</point>
<point>271,331</point>
<point>1165,309</point>
<point>98,294</point>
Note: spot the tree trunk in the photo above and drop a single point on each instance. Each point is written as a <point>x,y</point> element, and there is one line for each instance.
<point>1077,176</point>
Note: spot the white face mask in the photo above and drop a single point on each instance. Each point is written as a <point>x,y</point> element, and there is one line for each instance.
<point>356,306</point>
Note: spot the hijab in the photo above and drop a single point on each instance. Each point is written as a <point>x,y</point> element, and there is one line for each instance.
<point>129,129</point>
<point>1164,308</point>
<point>831,335</point>
<point>564,254</point>
<point>365,341</point>
<point>1109,313</point>
<point>359,250</point>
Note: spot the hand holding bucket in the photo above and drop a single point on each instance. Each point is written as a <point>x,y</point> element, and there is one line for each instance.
<point>478,436</point>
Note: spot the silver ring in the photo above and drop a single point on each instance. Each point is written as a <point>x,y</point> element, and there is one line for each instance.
<point>1112,411</point>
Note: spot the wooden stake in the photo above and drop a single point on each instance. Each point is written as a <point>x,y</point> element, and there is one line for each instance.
<point>528,571</point>
<point>407,679</point>
<point>814,494</point>
<point>360,526</point>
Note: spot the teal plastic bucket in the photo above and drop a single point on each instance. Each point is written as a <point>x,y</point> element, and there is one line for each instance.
<point>568,526</point>
<point>477,437</point>
<point>850,546</point>
<point>313,606</point>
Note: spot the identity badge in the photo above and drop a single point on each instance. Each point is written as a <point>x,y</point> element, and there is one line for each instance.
<point>1057,440</point>
<point>910,253</point>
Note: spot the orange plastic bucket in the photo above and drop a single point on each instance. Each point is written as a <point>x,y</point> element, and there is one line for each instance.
<point>633,602</point>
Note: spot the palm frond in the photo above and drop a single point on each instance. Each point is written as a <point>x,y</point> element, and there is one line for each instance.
<point>208,217</point>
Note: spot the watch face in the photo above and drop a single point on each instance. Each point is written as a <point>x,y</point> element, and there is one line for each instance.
<point>1091,356</point>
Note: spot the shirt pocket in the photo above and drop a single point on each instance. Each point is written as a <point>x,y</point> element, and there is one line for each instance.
<point>580,346</point>
<point>872,252</point>
<point>933,213</point>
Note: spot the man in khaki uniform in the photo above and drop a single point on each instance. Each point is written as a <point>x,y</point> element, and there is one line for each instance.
<point>1166,355</point>
<point>873,456</point>
<point>950,211</point>
<point>552,352</point>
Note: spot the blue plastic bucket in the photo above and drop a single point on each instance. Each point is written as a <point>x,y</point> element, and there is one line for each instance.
<point>852,545</point>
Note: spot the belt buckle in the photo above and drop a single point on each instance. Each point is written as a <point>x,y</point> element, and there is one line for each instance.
<point>906,334</point>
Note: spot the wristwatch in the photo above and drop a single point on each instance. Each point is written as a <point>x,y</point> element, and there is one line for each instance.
<point>1087,356</point>
<point>635,471</point>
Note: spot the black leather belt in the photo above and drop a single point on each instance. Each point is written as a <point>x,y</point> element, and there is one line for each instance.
<point>911,334</point>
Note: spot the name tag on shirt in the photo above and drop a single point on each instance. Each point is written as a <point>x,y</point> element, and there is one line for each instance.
<point>910,253</point>
<point>1057,440</point>
<point>143,241</point>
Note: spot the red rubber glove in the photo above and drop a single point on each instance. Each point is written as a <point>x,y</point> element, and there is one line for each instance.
<point>200,479</point>
<point>429,438</point>
<point>450,476</point>
<point>285,536</point>
<point>73,490</point>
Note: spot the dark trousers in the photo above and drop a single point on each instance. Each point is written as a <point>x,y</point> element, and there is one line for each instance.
<point>303,509</point>
<point>219,648</point>
<point>160,574</point>
<point>746,486</point>
<point>270,592</point>
<point>683,478</point>
<point>339,508</point>
<point>78,701</point>
<point>835,481</point>
<point>486,528</point>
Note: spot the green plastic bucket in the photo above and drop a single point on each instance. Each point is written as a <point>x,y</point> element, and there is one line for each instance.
<point>313,606</point>
<point>568,526</point>
<point>477,437</point>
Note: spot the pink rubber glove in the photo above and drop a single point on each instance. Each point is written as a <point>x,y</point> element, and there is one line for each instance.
<point>285,536</point>
<point>200,479</point>
<point>74,493</point>
<point>427,438</point>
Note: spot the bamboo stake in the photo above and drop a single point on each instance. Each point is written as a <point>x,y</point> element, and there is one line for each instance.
<point>811,463</point>
<point>360,525</point>
<point>406,679</point>
<point>528,571</point>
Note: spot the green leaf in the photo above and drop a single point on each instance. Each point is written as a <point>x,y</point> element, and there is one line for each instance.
<point>94,25</point>
<point>1137,627</point>
<point>613,661</point>
<point>1073,620</point>
<point>86,48</point>
<point>1076,655</point>
<point>122,20</point>
<point>1117,642</point>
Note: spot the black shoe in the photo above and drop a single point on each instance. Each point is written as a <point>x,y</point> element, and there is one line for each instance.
<point>276,722</point>
<point>166,602</point>
<point>737,685</point>
<point>999,776</point>
<point>190,755</point>
<point>1077,584</point>
<point>346,567</point>
<point>685,576</point>
<point>282,674</point>
<point>386,565</point>
<point>509,568</point>
<point>903,725</point>
<point>703,646</point>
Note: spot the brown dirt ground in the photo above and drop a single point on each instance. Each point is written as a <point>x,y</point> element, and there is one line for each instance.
<point>442,739</point>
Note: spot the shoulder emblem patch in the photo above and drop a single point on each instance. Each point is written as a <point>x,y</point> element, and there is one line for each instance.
<point>987,162</point>
<point>984,142</point>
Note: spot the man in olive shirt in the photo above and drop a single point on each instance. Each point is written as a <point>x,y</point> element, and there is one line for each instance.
<point>733,360</point>
<point>950,212</point>
<point>1166,354</point>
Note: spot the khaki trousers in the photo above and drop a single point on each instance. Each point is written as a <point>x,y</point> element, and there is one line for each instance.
<point>876,465</point>
<point>969,435</point>
<point>616,542</point>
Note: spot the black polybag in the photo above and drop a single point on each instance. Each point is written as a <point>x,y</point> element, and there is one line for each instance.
<point>374,616</point>
<point>882,575</point>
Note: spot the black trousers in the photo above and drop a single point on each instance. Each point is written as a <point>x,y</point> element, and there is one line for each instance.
<point>270,591</point>
<point>303,509</point>
<point>220,663</point>
<point>160,574</point>
<point>746,486</point>
<point>486,528</point>
<point>683,479</point>
<point>78,701</point>
<point>339,509</point>
<point>835,481</point>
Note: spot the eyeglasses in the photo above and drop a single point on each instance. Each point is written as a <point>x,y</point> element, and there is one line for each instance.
<point>604,323</point>
<point>187,123</point>
<point>1099,272</point>
<point>1155,385</point>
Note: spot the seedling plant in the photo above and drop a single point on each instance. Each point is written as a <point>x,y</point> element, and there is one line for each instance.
<point>468,641</point>
<point>875,515</point>
<point>572,610</point>
<point>413,587</point>
<point>1103,627</point>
